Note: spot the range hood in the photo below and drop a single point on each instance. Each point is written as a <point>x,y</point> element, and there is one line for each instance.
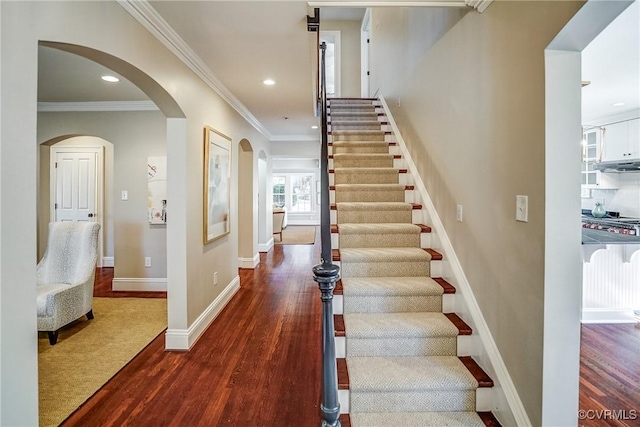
<point>618,166</point>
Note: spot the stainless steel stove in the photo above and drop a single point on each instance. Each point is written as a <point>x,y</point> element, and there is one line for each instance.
<point>630,226</point>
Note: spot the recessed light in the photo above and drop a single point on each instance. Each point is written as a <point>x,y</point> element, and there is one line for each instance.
<point>269,82</point>
<point>314,127</point>
<point>618,104</point>
<point>110,79</point>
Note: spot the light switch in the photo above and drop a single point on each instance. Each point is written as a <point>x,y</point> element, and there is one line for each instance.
<point>459,213</point>
<point>522,208</point>
<point>125,195</point>
<point>147,261</point>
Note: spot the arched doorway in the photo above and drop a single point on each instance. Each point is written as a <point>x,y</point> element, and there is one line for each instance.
<point>248,256</point>
<point>265,241</point>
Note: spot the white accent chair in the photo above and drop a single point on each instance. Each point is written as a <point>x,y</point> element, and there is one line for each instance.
<point>279,216</point>
<point>66,275</point>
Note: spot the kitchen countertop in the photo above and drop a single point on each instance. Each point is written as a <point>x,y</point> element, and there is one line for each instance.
<point>599,237</point>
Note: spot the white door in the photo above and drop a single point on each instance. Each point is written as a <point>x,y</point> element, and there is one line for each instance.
<point>75,195</point>
<point>364,54</point>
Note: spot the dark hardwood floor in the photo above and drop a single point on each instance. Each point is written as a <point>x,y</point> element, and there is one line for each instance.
<point>610,375</point>
<point>102,287</point>
<point>258,364</point>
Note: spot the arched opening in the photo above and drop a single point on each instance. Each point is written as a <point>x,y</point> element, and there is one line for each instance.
<point>248,256</point>
<point>265,241</point>
<point>563,268</point>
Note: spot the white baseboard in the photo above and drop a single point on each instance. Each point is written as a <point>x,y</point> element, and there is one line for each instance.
<point>107,261</point>
<point>266,247</point>
<point>599,315</point>
<point>250,263</point>
<point>139,284</point>
<point>183,339</point>
<point>505,390</point>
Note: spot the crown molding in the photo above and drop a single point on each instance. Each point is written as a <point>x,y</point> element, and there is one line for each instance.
<point>46,107</point>
<point>479,5</point>
<point>150,19</point>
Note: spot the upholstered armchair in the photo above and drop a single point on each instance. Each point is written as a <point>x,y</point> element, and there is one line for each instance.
<point>278,221</point>
<point>66,275</point>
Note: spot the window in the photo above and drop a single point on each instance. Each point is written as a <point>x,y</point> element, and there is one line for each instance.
<point>278,191</point>
<point>294,191</point>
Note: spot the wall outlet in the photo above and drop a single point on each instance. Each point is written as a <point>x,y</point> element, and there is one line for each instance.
<point>147,261</point>
<point>215,278</point>
<point>459,213</point>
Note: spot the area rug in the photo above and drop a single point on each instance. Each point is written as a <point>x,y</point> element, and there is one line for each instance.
<point>90,352</point>
<point>297,235</point>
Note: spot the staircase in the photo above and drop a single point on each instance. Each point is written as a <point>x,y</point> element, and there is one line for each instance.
<point>401,359</point>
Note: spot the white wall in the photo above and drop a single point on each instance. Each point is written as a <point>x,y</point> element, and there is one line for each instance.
<point>105,27</point>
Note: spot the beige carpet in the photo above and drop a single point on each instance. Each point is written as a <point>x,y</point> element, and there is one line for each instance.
<point>297,235</point>
<point>89,353</point>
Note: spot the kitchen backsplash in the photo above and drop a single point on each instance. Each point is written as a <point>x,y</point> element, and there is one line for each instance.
<point>624,199</point>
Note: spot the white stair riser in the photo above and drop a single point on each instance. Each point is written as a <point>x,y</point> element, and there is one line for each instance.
<point>343,399</point>
<point>448,300</point>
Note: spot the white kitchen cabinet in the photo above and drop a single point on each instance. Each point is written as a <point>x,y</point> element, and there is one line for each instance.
<point>621,141</point>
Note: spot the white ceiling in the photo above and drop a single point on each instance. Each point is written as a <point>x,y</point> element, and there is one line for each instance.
<point>612,63</point>
<point>270,40</point>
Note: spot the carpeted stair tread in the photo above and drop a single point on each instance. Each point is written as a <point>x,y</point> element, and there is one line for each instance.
<point>366,171</point>
<point>390,286</point>
<point>382,228</point>
<point>358,135</point>
<point>353,115</point>
<point>370,187</point>
<point>398,325</point>
<point>378,206</point>
<point>418,373</point>
<point>414,419</point>
<point>375,255</point>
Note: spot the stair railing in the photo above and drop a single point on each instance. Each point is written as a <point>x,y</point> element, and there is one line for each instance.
<point>326,274</point>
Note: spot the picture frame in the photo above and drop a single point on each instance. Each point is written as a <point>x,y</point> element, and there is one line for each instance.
<point>217,185</point>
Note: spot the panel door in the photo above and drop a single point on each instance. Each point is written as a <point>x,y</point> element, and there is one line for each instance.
<point>75,186</point>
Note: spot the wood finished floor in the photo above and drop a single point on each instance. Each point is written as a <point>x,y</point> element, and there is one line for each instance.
<point>258,364</point>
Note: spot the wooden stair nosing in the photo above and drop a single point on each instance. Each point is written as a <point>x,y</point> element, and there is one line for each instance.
<point>484,381</point>
<point>395,156</point>
<point>414,206</point>
<point>435,255</point>
<point>386,132</point>
<point>479,374</point>
<point>463,329</point>
<point>391,143</point>
<point>335,228</point>
<point>446,286</point>
<point>487,418</point>
<point>399,170</point>
<point>406,187</point>
<point>338,325</point>
<point>338,289</point>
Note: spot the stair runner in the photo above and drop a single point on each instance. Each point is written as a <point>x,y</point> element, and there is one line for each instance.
<point>402,364</point>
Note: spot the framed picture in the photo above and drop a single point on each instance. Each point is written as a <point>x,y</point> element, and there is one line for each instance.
<point>157,189</point>
<point>217,184</point>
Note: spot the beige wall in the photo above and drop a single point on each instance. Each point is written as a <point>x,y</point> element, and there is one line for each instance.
<point>349,55</point>
<point>106,27</point>
<point>471,110</point>
<point>134,136</point>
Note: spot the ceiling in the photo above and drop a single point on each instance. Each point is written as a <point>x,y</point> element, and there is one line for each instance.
<point>270,40</point>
